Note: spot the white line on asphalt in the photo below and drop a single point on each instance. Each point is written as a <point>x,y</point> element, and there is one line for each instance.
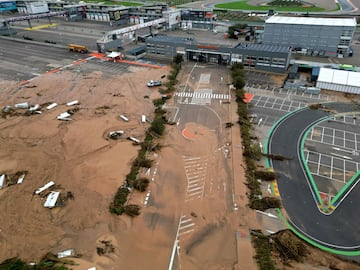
<point>345,157</point>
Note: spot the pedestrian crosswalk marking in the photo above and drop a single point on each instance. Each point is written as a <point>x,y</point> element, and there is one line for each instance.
<point>201,95</point>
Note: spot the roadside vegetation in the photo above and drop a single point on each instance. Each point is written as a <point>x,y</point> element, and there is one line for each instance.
<point>283,245</point>
<point>252,151</point>
<point>150,144</point>
<point>49,262</point>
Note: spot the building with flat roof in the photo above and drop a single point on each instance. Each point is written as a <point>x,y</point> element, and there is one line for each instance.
<point>339,80</point>
<point>272,58</point>
<point>312,36</point>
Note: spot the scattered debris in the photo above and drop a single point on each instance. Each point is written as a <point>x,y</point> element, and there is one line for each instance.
<point>7,109</point>
<point>12,179</point>
<point>34,108</point>
<point>134,139</point>
<point>101,109</point>
<point>115,134</point>
<point>51,199</point>
<point>71,103</point>
<point>64,116</point>
<point>123,117</point>
<point>51,106</point>
<point>16,178</point>
<point>66,253</point>
<point>23,105</point>
<point>21,179</point>
<point>105,248</point>
<point>46,186</point>
<point>2,180</point>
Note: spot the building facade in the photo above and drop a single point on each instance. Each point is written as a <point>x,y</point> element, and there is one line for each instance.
<point>311,36</point>
<point>339,80</point>
<point>271,58</point>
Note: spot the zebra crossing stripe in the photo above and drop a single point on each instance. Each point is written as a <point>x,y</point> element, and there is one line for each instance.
<point>198,95</point>
<point>185,220</point>
<point>186,232</point>
<point>187,226</point>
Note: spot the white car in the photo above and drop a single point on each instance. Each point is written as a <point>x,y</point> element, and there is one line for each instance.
<point>154,83</point>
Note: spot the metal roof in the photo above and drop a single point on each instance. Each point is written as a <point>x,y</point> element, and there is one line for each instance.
<point>137,49</point>
<point>312,21</point>
<point>263,47</point>
<point>342,77</point>
<point>172,39</point>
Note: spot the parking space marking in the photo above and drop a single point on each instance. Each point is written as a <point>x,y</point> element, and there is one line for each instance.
<point>269,103</point>
<point>337,166</point>
<point>344,139</point>
<point>352,119</point>
<point>251,87</point>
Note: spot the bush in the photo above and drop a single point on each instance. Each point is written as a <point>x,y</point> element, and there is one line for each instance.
<point>13,264</point>
<point>158,125</point>
<point>315,106</point>
<point>158,102</point>
<point>132,210</point>
<point>120,198</point>
<point>142,162</point>
<point>264,203</point>
<point>141,184</point>
<point>290,247</point>
<point>263,249</point>
<point>265,175</point>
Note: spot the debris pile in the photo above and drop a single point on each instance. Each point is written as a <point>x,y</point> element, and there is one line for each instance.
<point>12,179</point>
<point>105,248</point>
<point>53,197</point>
<point>26,109</point>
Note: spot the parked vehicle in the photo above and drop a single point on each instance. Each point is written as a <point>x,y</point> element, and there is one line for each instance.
<point>77,48</point>
<point>154,83</point>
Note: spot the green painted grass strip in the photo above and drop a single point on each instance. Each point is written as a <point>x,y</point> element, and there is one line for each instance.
<point>345,188</point>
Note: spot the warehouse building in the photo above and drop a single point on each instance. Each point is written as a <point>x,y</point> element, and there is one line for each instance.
<point>311,36</point>
<point>339,80</point>
<point>270,58</point>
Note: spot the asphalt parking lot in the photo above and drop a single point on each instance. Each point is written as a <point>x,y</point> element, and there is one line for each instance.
<point>331,148</point>
<point>281,92</point>
<point>332,153</point>
<point>277,103</point>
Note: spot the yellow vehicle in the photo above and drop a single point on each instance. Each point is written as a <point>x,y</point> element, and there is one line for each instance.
<point>77,48</point>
